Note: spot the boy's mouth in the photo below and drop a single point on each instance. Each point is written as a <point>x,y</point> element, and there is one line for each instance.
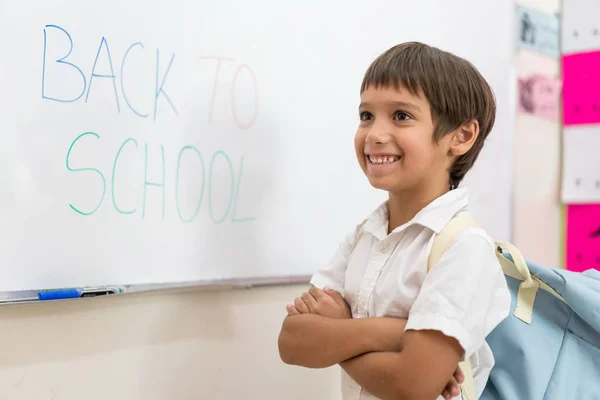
<point>380,159</point>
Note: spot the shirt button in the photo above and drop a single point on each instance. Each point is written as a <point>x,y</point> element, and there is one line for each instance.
<point>384,248</point>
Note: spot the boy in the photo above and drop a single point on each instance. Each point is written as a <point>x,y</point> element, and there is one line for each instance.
<point>397,331</point>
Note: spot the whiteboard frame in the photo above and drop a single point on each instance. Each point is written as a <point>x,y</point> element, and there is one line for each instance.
<point>31,296</point>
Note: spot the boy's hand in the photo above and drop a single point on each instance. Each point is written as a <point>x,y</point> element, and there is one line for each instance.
<point>299,307</point>
<point>326,303</point>
<point>452,388</point>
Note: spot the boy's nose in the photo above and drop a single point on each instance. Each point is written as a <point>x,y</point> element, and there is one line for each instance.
<point>380,132</point>
<point>378,135</point>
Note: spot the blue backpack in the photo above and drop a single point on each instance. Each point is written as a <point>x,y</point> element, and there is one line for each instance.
<point>549,346</point>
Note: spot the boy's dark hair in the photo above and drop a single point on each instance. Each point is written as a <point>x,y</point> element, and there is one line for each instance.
<point>456,91</point>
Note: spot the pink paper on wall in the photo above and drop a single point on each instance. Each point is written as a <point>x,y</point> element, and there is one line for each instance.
<point>581,88</point>
<point>583,237</point>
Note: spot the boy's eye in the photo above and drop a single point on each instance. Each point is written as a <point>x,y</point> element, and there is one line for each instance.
<point>401,116</point>
<point>365,116</point>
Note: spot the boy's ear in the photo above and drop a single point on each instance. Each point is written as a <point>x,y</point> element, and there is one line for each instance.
<point>464,138</point>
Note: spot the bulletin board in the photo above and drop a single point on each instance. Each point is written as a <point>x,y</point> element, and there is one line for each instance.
<point>581,133</point>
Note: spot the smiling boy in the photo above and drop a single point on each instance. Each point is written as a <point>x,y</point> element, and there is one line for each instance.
<point>398,331</point>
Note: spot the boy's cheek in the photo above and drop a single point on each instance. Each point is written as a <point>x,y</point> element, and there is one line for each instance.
<point>360,149</point>
<point>360,157</point>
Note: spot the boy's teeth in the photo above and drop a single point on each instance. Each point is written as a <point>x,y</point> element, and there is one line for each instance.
<point>383,160</point>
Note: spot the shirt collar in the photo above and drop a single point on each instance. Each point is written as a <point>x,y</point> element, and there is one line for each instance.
<point>433,216</point>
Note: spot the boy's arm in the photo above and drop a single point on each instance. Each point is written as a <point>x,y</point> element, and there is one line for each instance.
<point>331,304</point>
<point>462,299</point>
<point>419,372</point>
<point>314,341</point>
<point>302,341</point>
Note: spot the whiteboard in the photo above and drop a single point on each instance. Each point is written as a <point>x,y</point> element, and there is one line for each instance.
<point>156,142</point>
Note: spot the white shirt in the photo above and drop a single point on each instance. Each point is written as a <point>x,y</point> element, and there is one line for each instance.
<point>464,295</point>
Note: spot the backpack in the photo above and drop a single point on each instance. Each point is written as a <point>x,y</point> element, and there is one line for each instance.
<point>548,348</point>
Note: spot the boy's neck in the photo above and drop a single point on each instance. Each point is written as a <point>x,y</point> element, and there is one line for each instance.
<point>403,206</point>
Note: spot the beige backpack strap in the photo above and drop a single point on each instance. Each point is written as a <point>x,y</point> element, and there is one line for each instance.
<point>447,235</point>
<point>440,245</point>
<point>528,288</point>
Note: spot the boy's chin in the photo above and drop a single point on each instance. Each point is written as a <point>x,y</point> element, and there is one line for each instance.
<point>385,184</point>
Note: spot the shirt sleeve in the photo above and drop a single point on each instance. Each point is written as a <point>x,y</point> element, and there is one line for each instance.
<point>465,294</point>
<point>333,275</point>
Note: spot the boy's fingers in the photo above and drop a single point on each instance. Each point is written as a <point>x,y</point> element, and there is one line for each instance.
<point>301,306</point>
<point>459,375</point>
<point>309,300</point>
<point>317,293</point>
<point>452,388</point>
<point>335,295</point>
<point>292,310</point>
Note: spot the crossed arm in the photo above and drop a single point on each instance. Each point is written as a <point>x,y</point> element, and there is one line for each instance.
<point>376,352</point>
<point>314,341</point>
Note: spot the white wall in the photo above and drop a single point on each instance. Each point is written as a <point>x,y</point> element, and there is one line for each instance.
<point>176,345</point>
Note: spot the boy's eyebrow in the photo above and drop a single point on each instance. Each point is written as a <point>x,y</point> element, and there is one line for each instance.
<point>402,104</point>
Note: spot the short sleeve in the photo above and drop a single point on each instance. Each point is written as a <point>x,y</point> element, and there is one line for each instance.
<point>333,275</point>
<point>465,295</point>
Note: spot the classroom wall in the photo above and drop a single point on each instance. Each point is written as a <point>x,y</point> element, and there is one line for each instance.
<point>197,345</point>
<point>537,212</point>
<point>165,345</point>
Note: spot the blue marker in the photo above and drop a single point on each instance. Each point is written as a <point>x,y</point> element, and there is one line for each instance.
<point>59,294</point>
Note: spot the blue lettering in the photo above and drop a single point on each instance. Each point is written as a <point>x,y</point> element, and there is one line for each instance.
<point>60,61</point>
<point>113,176</point>
<point>157,184</point>
<point>177,184</point>
<point>112,73</point>
<point>86,169</point>
<point>123,85</point>
<point>210,176</point>
<point>237,193</point>
<point>159,89</point>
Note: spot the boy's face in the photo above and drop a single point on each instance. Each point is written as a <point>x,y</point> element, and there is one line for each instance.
<point>394,142</point>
